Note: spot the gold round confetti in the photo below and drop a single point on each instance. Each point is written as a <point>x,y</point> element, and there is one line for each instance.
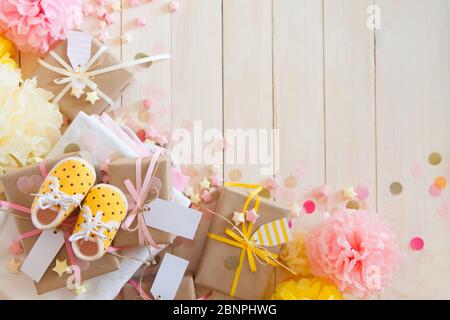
<point>290,182</point>
<point>72,147</point>
<point>352,204</point>
<point>235,175</point>
<point>144,116</point>
<point>440,183</point>
<point>435,158</point>
<point>396,188</point>
<point>141,55</point>
<point>231,262</point>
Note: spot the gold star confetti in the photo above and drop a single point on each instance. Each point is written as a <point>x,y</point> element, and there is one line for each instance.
<point>14,266</point>
<point>92,97</point>
<point>349,193</point>
<point>189,191</point>
<point>205,184</point>
<point>77,92</point>
<point>79,289</point>
<point>195,198</point>
<point>238,218</point>
<point>61,267</point>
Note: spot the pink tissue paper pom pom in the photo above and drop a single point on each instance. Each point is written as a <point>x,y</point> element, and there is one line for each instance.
<point>355,250</point>
<point>35,25</point>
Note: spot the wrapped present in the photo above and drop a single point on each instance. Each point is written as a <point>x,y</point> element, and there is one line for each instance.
<point>18,185</point>
<point>84,75</point>
<point>136,171</point>
<point>243,244</point>
<point>131,291</point>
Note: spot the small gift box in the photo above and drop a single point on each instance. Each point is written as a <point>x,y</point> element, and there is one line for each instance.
<point>19,185</point>
<point>186,291</point>
<point>135,170</point>
<point>241,250</point>
<point>84,75</point>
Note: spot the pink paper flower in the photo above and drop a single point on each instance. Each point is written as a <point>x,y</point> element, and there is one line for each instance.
<point>355,250</point>
<point>35,25</point>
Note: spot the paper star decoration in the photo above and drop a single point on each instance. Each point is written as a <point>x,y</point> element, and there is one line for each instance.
<point>205,184</point>
<point>79,289</point>
<point>349,193</point>
<point>251,216</point>
<point>61,267</point>
<point>92,97</point>
<point>238,218</point>
<point>77,92</point>
<point>189,191</point>
<point>195,198</point>
<point>14,266</point>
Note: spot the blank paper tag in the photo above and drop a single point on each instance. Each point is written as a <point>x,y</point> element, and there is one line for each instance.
<point>78,48</point>
<point>173,218</point>
<point>169,277</point>
<point>41,256</point>
<point>180,198</point>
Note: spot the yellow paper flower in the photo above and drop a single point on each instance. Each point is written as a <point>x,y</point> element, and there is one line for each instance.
<point>293,254</point>
<point>29,123</point>
<point>6,52</point>
<point>307,289</point>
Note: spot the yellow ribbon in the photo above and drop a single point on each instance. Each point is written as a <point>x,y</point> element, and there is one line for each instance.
<point>242,240</point>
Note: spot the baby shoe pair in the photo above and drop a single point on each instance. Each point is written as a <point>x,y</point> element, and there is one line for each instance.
<point>69,185</point>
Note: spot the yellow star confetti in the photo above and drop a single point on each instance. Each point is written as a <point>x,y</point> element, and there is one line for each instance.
<point>238,218</point>
<point>79,289</point>
<point>205,184</point>
<point>195,198</point>
<point>349,193</point>
<point>77,92</point>
<point>92,97</point>
<point>14,266</point>
<point>61,267</point>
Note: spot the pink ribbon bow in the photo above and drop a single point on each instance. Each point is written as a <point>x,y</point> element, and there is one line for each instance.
<point>139,195</point>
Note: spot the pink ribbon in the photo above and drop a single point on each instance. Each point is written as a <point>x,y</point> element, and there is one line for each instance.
<point>139,289</point>
<point>139,194</point>
<point>14,206</point>
<point>29,234</point>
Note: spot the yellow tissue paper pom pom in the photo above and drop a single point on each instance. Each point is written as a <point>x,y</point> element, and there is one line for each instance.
<point>6,51</point>
<point>29,122</point>
<point>294,255</point>
<point>307,289</point>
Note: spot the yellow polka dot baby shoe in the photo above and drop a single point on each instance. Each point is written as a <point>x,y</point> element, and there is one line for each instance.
<point>62,191</point>
<point>102,212</point>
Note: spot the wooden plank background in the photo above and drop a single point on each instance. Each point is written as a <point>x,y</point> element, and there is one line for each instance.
<point>354,104</point>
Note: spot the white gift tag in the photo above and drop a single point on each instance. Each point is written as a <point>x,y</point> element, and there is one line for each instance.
<point>173,218</point>
<point>44,251</point>
<point>180,198</point>
<point>169,277</point>
<point>78,48</point>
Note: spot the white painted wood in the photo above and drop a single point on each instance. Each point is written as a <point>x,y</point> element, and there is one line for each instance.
<point>349,95</point>
<point>247,73</point>
<point>413,110</point>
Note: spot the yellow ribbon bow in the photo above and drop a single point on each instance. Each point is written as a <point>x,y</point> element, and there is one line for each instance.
<point>242,239</point>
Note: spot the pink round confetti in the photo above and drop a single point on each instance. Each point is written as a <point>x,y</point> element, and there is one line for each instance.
<point>148,103</point>
<point>362,192</point>
<point>309,206</point>
<point>15,248</point>
<point>434,192</point>
<point>417,170</point>
<point>141,134</point>
<point>155,183</point>
<point>417,243</point>
<point>25,185</point>
<point>290,224</point>
<point>141,21</point>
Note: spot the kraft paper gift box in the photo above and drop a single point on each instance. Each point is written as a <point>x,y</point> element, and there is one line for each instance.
<point>186,291</point>
<point>125,169</point>
<point>111,84</point>
<point>18,195</point>
<point>220,261</point>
